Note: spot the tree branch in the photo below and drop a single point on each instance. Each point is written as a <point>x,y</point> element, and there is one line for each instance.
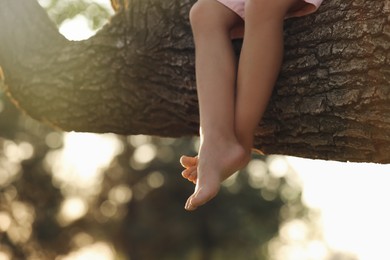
<point>136,76</point>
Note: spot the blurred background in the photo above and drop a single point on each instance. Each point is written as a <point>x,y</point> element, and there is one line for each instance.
<point>88,196</point>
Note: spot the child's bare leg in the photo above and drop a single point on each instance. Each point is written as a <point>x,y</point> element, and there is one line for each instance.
<point>220,154</point>
<point>262,54</point>
<point>260,62</point>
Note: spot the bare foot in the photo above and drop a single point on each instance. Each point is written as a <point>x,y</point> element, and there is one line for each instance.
<point>216,162</point>
<point>190,163</point>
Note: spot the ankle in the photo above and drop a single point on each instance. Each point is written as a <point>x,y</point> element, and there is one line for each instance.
<point>219,137</point>
<point>246,141</point>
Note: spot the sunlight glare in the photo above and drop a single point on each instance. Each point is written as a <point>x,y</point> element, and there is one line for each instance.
<point>18,152</point>
<point>145,153</point>
<point>72,208</point>
<point>108,208</point>
<point>155,180</point>
<point>296,242</point>
<point>5,177</point>
<point>82,239</point>
<point>258,170</point>
<point>353,201</point>
<point>120,194</point>
<point>23,217</point>
<point>84,158</point>
<point>77,28</point>
<point>97,251</point>
<point>268,195</point>
<point>5,221</point>
<point>278,166</point>
<point>138,140</point>
<point>54,140</point>
<point>44,3</point>
<point>4,256</point>
<point>294,230</point>
<point>316,250</point>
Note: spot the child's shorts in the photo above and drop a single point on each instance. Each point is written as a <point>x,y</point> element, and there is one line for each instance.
<point>238,7</point>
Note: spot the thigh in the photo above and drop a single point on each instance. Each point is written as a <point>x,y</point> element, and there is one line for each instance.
<point>269,9</point>
<point>212,12</point>
<point>212,16</point>
<point>237,6</point>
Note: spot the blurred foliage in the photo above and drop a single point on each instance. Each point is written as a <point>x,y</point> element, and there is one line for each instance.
<point>138,208</point>
<point>135,209</point>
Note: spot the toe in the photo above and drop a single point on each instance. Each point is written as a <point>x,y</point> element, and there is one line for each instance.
<point>188,161</point>
<point>190,174</point>
<point>200,197</point>
<point>188,205</point>
<point>186,173</point>
<point>193,174</point>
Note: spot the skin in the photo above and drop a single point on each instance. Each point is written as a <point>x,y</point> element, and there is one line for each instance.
<point>233,95</point>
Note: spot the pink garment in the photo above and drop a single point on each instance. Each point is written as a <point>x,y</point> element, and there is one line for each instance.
<point>238,6</point>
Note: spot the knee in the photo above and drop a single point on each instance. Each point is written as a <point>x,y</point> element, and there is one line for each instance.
<point>208,16</point>
<point>198,15</point>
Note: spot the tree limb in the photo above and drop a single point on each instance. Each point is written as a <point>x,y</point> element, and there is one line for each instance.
<point>136,76</point>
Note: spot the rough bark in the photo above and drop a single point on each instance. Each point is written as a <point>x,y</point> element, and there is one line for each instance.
<point>136,76</point>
